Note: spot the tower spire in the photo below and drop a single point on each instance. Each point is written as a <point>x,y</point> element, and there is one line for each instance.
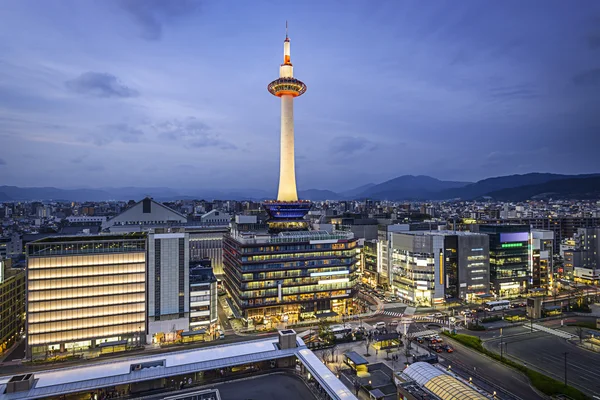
<point>286,30</point>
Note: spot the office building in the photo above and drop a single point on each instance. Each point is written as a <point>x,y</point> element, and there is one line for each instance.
<point>586,258</point>
<point>433,267</point>
<point>299,274</point>
<point>510,270</point>
<point>168,285</point>
<point>12,304</point>
<point>542,252</point>
<point>369,252</point>
<point>207,242</point>
<point>83,291</point>
<point>203,297</point>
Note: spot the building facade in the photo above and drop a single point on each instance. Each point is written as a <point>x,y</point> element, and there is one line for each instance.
<point>168,285</point>
<point>542,254</point>
<point>83,291</point>
<point>510,268</point>
<point>12,305</point>
<point>291,275</point>
<point>370,275</point>
<point>433,267</point>
<point>208,243</point>
<point>203,297</point>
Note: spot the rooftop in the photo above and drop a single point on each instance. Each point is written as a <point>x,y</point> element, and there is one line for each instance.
<point>87,238</point>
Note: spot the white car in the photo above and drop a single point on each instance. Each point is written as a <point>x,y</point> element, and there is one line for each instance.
<point>394,323</point>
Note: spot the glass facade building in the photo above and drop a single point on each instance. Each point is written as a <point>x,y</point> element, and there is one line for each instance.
<point>85,290</point>
<point>292,275</point>
<point>12,305</point>
<point>203,297</point>
<point>510,266</point>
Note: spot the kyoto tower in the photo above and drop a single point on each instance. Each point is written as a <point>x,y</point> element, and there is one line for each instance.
<point>287,212</point>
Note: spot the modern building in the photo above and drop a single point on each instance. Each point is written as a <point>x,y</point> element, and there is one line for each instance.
<point>433,267</point>
<point>542,254</point>
<point>203,297</point>
<point>142,216</point>
<point>510,254</point>
<point>215,218</point>
<point>370,275</point>
<point>12,304</point>
<point>299,274</point>
<point>84,291</point>
<point>586,258</point>
<point>207,242</point>
<point>168,286</point>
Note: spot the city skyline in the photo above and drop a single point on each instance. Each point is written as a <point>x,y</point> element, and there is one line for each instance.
<point>173,93</point>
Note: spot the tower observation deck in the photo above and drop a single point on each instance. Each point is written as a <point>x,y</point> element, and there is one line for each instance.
<point>287,212</point>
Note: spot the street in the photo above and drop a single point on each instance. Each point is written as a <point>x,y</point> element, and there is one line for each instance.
<point>546,353</point>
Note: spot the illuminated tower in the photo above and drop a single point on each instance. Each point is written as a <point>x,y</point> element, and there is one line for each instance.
<point>287,212</point>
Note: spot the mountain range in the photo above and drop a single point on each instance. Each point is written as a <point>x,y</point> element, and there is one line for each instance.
<point>406,187</point>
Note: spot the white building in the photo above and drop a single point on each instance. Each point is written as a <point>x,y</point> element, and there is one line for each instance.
<point>215,217</point>
<point>143,216</point>
<point>85,219</point>
<point>168,285</point>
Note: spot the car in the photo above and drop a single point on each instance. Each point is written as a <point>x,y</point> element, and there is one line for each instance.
<point>419,339</point>
<point>448,348</point>
<point>436,348</point>
<point>394,323</point>
<point>435,315</point>
<point>465,312</point>
<point>379,325</point>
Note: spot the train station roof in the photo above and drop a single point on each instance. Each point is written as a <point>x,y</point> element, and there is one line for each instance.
<point>444,386</point>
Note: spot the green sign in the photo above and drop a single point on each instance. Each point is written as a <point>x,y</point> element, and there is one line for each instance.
<point>509,245</point>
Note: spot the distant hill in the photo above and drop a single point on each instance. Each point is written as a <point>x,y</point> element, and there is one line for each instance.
<point>409,187</point>
<point>5,197</point>
<point>349,194</point>
<point>485,186</point>
<point>51,193</point>
<point>317,194</point>
<point>587,187</point>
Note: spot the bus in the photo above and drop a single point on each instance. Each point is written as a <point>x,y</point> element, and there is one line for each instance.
<point>339,332</point>
<point>497,305</point>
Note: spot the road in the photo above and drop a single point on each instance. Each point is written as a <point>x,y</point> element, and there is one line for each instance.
<point>545,352</point>
<point>490,370</point>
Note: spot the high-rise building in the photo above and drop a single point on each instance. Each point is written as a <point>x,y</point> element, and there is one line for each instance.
<point>586,265</point>
<point>207,242</point>
<point>510,269</point>
<point>84,291</point>
<point>433,267</point>
<point>168,285</point>
<point>12,304</point>
<point>542,252</point>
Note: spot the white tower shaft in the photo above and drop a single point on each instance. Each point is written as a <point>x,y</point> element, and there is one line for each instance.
<point>287,171</point>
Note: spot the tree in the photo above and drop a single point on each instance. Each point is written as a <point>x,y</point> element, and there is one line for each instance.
<point>367,344</point>
<point>334,355</point>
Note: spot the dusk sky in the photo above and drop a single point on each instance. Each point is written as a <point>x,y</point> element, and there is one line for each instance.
<point>173,93</point>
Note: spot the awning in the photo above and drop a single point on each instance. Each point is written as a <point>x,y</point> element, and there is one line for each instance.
<point>115,343</point>
<point>327,314</point>
<point>485,296</point>
<point>194,333</point>
<point>356,358</point>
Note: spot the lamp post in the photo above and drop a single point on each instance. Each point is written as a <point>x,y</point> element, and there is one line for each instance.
<point>501,343</point>
<point>565,353</point>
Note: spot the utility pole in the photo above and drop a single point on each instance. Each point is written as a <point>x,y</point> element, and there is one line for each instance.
<point>565,353</point>
<point>501,344</point>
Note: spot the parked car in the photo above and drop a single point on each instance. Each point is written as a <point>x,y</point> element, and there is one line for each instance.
<point>419,339</point>
<point>394,323</point>
<point>379,325</point>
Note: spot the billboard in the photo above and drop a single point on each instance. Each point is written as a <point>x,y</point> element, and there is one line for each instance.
<point>514,237</point>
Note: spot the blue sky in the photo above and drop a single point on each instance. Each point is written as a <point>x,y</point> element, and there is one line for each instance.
<point>156,93</point>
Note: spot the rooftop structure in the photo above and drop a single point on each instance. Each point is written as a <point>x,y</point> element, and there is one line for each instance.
<point>86,379</point>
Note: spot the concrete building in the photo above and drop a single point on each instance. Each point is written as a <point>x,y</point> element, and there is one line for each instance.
<point>510,267</point>
<point>588,241</point>
<point>542,253</point>
<point>369,253</point>
<point>203,297</point>
<point>168,285</point>
<point>143,216</point>
<point>433,267</point>
<point>215,218</point>
<point>12,304</point>
<point>573,258</point>
<point>84,291</point>
<point>207,242</point>
<point>85,219</point>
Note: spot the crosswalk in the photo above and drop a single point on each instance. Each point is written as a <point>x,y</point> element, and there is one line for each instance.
<point>425,318</point>
<point>393,314</point>
<point>555,332</point>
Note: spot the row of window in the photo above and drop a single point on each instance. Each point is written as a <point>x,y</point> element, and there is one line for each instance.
<point>113,310</point>
<point>97,301</point>
<point>88,282</point>
<point>75,272</point>
<point>59,294</point>
<point>87,333</point>
<point>85,260</point>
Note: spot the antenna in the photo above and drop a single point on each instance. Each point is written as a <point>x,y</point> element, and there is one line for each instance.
<point>286,29</point>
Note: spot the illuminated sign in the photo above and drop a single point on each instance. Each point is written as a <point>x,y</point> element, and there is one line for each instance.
<point>511,245</point>
<point>329,281</point>
<point>329,273</point>
<point>441,268</point>
<point>514,237</point>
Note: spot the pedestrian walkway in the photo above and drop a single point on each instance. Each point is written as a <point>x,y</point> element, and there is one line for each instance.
<point>555,332</point>
<point>429,319</point>
<point>393,313</point>
<point>424,333</point>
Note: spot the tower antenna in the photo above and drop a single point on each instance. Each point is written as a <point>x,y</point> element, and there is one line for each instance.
<point>286,29</point>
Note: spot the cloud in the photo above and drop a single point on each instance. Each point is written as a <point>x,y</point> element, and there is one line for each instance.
<point>513,92</point>
<point>99,84</point>
<point>192,133</point>
<point>151,15</point>
<point>2,162</point>
<point>78,160</point>
<point>350,145</point>
<point>117,132</point>
<point>590,77</point>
